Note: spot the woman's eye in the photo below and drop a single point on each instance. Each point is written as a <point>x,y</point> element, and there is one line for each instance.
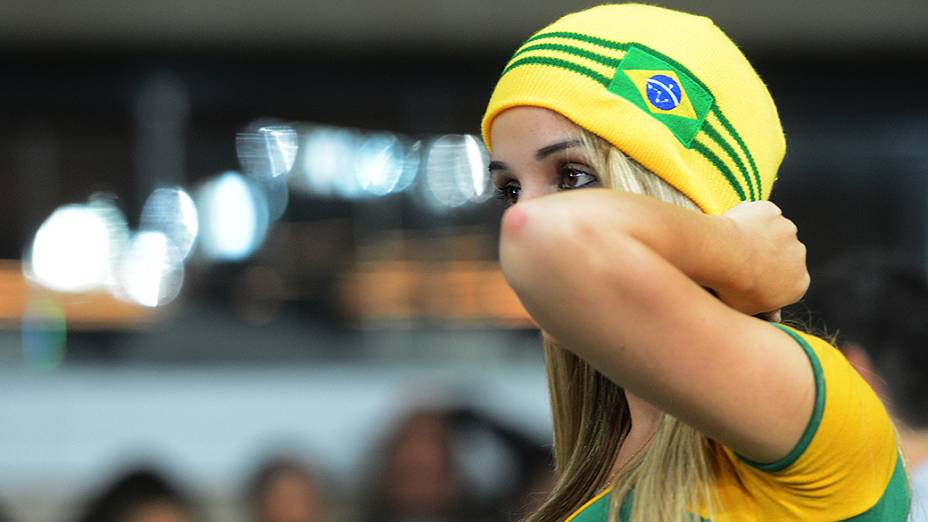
<point>572,178</point>
<point>509,192</point>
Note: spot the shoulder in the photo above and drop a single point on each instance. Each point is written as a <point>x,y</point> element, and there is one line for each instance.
<point>847,462</point>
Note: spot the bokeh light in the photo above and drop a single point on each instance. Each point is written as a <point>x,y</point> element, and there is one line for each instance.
<point>355,164</point>
<point>411,163</point>
<point>276,195</point>
<point>153,270</point>
<point>77,247</point>
<point>268,152</point>
<point>233,217</point>
<point>327,162</point>
<point>478,158</point>
<point>104,205</point>
<point>379,163</point>
<point>455,172</point>
<point>172,212</point>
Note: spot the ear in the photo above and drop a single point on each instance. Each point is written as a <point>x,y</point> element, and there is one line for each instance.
<point>860,359</point>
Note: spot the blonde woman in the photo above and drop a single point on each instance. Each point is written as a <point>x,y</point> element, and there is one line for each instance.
<point>674,398</point>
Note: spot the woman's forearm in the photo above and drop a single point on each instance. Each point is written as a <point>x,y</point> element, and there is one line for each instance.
<point>707,249</point>
<point>750,256</point>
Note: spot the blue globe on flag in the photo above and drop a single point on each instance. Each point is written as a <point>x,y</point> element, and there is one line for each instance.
<point>664,92</point>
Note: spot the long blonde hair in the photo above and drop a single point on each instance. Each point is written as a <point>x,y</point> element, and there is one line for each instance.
<point>675,472</point>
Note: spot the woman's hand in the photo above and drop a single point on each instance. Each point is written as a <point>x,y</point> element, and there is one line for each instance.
<point>774,274</point>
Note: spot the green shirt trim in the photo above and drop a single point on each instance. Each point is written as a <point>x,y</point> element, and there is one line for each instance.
<point>894,503</point>
<point>817,410</point>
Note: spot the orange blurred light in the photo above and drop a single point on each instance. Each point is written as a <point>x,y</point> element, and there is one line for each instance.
<point>469,293</point>
<point>83,311</point>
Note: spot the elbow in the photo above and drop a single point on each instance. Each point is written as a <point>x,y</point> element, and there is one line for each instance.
<point>526,236</point>
<point>545,239</point>
<point>512,242</point>
<point>515,221</point>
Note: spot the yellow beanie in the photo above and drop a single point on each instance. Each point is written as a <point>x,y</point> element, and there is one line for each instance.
<point>668,89</point>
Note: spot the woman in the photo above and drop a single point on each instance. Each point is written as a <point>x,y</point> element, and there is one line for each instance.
<point>671,397</point>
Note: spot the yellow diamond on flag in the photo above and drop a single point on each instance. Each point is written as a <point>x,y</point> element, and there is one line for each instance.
<point>662,92</point>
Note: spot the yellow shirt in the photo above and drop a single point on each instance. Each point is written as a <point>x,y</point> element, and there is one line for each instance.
<point>846,466</point>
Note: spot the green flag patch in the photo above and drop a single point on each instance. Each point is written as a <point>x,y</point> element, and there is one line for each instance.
<point>663,91</point>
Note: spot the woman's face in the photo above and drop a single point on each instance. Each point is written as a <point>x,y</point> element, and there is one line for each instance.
<point>537,152</point>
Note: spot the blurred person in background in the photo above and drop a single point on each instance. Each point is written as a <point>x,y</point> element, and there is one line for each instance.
<point>531,476</point>
<point>877,303</point>
<point>139,495</point>
<point>676,393</point>
<point>420,477</point>
<point>284,489</point>
<point>415,477</point>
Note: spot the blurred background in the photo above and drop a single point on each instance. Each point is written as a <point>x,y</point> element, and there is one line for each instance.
<point>248,249</point>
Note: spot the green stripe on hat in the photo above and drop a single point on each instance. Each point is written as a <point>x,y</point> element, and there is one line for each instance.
<point>747,152</point>
<point>573,50</point>
<point>716,137</point>
<point>707,153</point>
<point>557,62</point>
<point>602,42</point>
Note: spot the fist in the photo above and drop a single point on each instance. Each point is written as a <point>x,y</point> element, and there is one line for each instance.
<point>774,272</point>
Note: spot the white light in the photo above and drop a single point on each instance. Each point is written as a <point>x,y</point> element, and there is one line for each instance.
<point>172,212</point>
<point>477,160</point>
<point>153,270</point>
<point>411,162</point>
<point>451,171</point>
<point>103,204</point>
<point>328,162</point>
<point>268,152</point>
<point>378,164</point>
<point>276,195</point>
<point>73,250</point>
<point>233,217</point>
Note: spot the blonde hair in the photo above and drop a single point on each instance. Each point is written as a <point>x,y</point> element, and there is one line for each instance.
<point>675,472</point>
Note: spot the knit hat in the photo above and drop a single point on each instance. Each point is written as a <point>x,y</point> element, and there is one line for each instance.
<point>668,89</point>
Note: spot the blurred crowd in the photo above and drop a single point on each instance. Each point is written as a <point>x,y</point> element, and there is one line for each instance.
<point>457,464</point>
<point>873,305</point>
<point>417,473</point>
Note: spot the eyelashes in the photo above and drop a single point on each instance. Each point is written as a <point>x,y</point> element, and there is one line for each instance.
<point>574,178</point>
<point>508,193</point>
<point>571,177</point>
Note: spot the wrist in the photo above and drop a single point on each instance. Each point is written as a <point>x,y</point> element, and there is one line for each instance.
<point>732,275</point>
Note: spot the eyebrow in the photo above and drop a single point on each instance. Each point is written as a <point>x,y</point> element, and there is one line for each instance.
<point>497,165</point>
<point>548,150</point>
<point>540,154</point>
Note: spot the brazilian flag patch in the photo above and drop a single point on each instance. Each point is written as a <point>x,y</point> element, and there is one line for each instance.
<point>665,92</point>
